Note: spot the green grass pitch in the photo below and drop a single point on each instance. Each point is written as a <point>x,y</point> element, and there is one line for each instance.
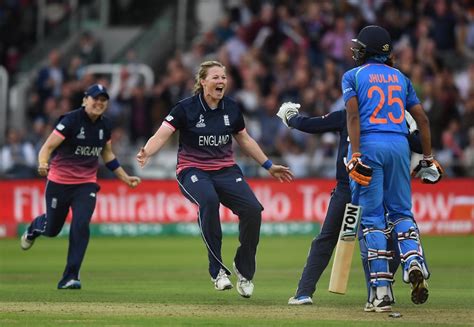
<point>164,281</point>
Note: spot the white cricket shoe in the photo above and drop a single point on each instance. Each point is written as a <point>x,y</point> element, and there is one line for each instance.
<point>244,286</point>
<point>222,282</point>
<point>381,305</point>
<point>300,300</point>
<point>25,243</point>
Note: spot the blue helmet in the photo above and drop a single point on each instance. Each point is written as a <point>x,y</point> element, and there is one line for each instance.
<point>371,40</point>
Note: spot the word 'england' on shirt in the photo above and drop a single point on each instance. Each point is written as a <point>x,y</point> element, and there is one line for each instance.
<point>88,151</point>
<point>213,140</point>
<point>381,78</point>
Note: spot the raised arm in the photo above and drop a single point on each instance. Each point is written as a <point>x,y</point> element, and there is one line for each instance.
<point>154,144</point>
<point>251,147</point>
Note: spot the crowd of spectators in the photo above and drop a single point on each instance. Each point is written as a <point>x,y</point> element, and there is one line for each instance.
<point>277,51</point>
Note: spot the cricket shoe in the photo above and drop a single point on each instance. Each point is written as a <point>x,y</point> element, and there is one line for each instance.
<point>26,243</point>
<point>222,282</point>
<point>244,286</point>
<point>72,284</point>
<point>419,286</point>
<point>300,300</point>
<point>380,305</point>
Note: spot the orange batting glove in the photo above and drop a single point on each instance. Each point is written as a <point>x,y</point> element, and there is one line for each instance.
<point>360,173</point>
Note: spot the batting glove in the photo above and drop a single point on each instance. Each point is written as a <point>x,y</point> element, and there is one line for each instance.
<point>429,170</point>
<point>288,110</point>
<point>360,173</point>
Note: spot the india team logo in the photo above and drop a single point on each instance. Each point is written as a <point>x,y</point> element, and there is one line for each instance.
<point>226,120</point>
<point>201,122</point>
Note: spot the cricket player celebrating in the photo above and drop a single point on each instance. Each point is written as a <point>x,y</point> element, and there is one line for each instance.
<point>376,96</point>
<point>70,159</point>
<point>208,175</point>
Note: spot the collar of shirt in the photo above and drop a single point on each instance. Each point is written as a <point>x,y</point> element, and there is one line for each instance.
<point>84,114</point>
<point>206,107</point>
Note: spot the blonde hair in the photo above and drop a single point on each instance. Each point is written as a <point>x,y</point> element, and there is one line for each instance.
<point>202,74</point>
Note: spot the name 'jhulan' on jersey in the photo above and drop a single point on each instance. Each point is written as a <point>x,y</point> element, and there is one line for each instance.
<point>383,94</point>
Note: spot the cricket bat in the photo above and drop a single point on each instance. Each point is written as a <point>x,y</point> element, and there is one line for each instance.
<point>341,266</point>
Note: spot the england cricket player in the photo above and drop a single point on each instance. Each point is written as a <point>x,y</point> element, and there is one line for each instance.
<point>208,175</point>
<point>70,159</point>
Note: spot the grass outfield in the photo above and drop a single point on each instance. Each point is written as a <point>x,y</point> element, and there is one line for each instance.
<point>164,281</point>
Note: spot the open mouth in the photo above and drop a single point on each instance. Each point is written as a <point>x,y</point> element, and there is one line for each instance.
<point>220,89</point>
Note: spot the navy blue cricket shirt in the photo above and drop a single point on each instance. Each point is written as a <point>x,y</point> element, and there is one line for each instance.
<point>205,138</point>
<point>76,159</point>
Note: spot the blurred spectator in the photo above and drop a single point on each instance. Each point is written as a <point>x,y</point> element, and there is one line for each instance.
<point>89,49</point>
<point>51,77</point>
<point>323,162</point>
<point>452,145</point>
<point>468,161</point>
<point>276,51</point>
<point>18,157</point>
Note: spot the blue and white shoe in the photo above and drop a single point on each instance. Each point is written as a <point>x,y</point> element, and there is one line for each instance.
<point>25,242</point>
<point>300,300</point>
<point>72,284</point>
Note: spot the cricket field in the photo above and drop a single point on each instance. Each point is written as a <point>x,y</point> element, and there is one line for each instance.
<point>163,281</point>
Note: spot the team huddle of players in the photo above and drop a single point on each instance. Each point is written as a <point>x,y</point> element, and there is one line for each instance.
<point>372,174</point>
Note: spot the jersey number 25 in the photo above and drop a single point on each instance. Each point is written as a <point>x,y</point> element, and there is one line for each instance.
<point>391,100</point>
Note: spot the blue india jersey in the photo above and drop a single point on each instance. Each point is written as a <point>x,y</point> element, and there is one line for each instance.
<point>383,94</point>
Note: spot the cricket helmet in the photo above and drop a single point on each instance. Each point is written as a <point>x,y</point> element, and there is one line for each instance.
<point>371,40</point>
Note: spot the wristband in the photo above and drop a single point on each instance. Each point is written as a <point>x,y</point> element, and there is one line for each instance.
<point>267,164</point>
<point>112,164</point>
<point>430,157</point>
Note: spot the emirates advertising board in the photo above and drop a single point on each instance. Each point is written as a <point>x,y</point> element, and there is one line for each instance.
<point>299,207</point>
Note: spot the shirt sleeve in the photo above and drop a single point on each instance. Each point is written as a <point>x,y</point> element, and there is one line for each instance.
<point>239,122</point>
<point>176,118</point>
<point>412,98</point>
<point>65,127</point>
<point>348,86</point>
<point>332,122</point>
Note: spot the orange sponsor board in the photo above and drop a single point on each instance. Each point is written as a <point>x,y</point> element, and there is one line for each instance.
<point>445,208</point>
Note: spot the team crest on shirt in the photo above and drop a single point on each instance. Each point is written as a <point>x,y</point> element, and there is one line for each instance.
<point>201,123</point>
<point>101,134</point>
<point>226,120</point>
<point>81,134</point>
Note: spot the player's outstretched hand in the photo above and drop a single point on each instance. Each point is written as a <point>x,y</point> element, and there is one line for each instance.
<point>142,157</point>
<point>360,173</point>
<point>282,173</point>
<point>429,170</point>
<point>133,181</point>
<point>43,169</point>
<point>288,110</point>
